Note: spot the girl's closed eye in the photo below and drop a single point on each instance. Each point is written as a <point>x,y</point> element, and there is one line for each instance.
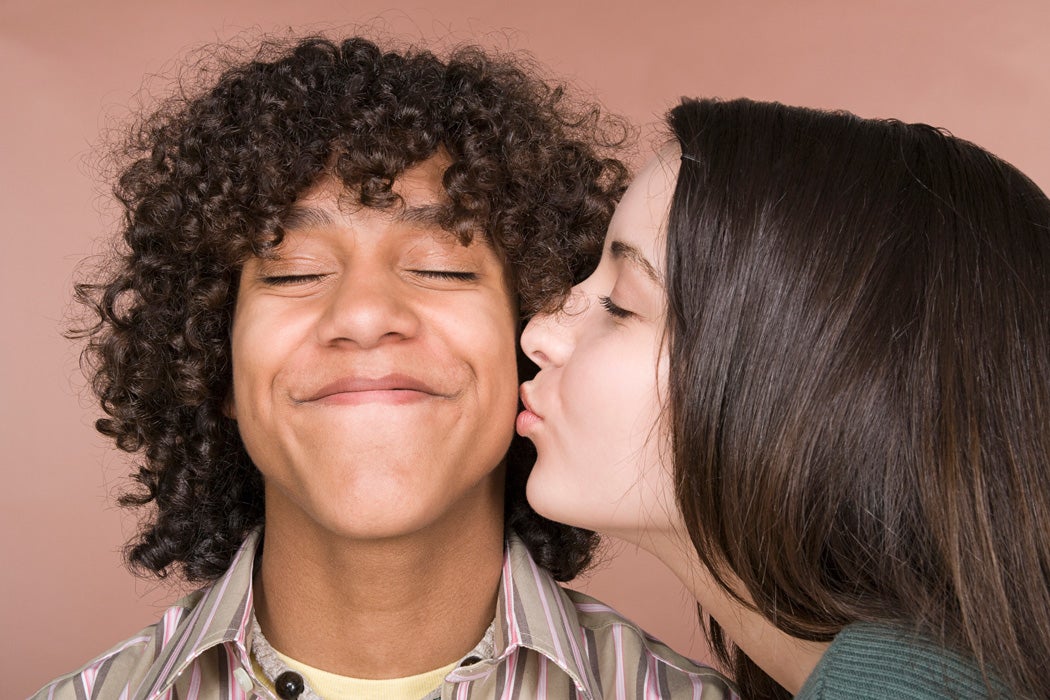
<point>613,309</point>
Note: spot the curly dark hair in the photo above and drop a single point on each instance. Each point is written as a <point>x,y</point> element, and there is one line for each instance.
<point>205,182</point>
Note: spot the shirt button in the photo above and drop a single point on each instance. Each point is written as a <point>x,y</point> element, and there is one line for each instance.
<point>243,679</point>
<point>289,685</point>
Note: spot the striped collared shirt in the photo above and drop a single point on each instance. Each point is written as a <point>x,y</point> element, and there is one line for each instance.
<point>549,642</point>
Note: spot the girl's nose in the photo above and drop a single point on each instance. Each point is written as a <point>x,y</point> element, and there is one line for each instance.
<point>548,339</point>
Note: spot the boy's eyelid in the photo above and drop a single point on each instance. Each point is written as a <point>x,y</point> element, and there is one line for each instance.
<point>442,277</point>
<point>449,274</point>
<point>291,266</point>
<point>441,258</point>
<point>292,278</point>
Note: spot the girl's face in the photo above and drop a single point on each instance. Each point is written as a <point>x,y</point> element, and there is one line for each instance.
<point>595,409</point>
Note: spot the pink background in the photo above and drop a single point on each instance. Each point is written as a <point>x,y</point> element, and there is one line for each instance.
<point>68,69</point>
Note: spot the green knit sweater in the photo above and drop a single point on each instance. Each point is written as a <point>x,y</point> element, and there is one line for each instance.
<point>867,661</point>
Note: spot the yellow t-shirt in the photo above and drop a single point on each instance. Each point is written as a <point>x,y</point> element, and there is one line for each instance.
<point>333,687</point>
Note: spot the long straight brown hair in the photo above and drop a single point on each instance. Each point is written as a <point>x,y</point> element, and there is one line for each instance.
<point>859,323</point>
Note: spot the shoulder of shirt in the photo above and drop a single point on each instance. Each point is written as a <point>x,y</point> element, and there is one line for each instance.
<point>606,624</point>
<point>135,655</point>
<point>867,659</point>
<point>147,664</point>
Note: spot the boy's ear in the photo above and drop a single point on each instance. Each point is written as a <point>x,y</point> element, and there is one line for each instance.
<point>229,406</point>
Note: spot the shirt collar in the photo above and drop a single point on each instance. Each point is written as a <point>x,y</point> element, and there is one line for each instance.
<point>532,612</point>
<point>217,614</point>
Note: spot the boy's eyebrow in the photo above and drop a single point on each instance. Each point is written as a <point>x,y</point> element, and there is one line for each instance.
<point>300,216</point>
<point>626,251</point>
<point>426,214</point>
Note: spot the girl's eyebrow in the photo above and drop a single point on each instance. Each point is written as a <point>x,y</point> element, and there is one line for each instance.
<point>626,251</point>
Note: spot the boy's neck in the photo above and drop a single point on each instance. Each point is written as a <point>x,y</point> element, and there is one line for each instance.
<point>377,609</point>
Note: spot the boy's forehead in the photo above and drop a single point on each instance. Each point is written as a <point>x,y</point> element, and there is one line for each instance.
<point>419,189</point>
<point>422,204</point>
<point>423,221</point>
<point>418,192</point>
<point>328,215</point>
<point>421,183</point>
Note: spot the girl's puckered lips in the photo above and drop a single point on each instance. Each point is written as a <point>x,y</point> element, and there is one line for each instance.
<point>528,418</point>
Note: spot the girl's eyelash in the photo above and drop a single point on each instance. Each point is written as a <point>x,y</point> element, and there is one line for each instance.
<point>613,309</point>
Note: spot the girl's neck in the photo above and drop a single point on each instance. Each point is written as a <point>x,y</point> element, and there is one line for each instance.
<point>788,660</point>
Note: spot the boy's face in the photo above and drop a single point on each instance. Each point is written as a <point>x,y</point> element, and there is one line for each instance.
<point>374,371</point>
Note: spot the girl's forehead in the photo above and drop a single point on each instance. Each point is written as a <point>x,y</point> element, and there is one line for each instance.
<point>640,220</point>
